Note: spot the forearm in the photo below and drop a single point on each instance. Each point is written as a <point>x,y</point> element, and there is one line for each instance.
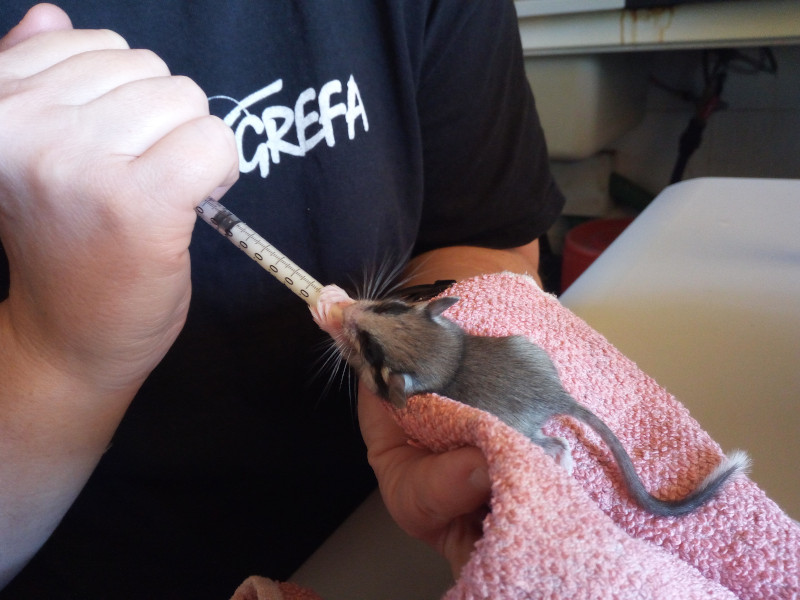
<point>97,250</point>
<point>461,262</point>
<point>54,427</point>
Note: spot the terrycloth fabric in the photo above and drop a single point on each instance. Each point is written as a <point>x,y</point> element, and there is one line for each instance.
<point>260,588</point>
<point>554,535</point>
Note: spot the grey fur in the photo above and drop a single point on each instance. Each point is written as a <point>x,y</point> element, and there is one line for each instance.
<point>400,349</point>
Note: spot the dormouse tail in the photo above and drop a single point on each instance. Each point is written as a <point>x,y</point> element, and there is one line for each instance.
<point>735,463</point>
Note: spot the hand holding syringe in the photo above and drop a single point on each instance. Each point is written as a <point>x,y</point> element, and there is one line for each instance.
<point>261,251</point>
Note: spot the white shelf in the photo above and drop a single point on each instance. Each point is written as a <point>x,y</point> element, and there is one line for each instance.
<point>528,8</point>
<point>719,24</point>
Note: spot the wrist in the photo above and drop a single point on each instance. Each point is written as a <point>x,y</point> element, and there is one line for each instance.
<point>463,262</point>
<point>48,406</point>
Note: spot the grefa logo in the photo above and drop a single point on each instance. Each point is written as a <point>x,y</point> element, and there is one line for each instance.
<point>310,120</point>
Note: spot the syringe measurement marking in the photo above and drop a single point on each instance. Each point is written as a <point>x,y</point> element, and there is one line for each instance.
<point>244,237</point>
<point>277,267</point>
<point>280,267</point>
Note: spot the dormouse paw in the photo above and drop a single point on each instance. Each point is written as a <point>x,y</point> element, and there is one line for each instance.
<point>333,294</point>
<point>327,313</point>
<point>564,458</point>
<point>558,448</point>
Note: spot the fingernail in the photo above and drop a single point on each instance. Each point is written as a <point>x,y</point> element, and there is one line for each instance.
<point>479,479</point>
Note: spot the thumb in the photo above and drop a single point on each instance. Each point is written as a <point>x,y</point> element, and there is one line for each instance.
<point>39,19</point>
<point>438,498</point>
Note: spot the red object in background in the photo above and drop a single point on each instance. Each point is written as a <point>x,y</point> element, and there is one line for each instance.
<point>585,242</point>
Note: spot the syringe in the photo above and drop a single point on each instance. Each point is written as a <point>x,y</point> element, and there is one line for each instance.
<point>261,251</point>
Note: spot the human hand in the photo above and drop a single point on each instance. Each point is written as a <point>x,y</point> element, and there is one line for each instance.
<point>440,499</point>
<point>103,156</point>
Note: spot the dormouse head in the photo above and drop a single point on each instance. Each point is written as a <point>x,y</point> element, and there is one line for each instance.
<point>400,348</point>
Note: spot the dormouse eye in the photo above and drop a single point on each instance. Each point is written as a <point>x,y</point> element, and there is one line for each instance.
<point>370,349</point>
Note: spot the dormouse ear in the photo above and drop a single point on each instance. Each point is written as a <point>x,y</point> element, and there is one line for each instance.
<point>435,308</point>
<point>397,390</point>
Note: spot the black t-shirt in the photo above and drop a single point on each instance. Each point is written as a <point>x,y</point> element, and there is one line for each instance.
<point>368,130</point>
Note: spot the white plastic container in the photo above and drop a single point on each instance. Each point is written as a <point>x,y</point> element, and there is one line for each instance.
<point>702,291</point>
<point>585,102</point>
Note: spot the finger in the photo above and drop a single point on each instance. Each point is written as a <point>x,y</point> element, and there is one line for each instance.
<point>378,428</point>
<point>40,52</point>
<point>441,499</point>
<point>457,542</point>
<point>450,485</point>
<point>193,161</point>
<point>115,128</point>
<point>427,489</point>
<point>131,118</point>
<point>98,71</point>
<point>39,19</point>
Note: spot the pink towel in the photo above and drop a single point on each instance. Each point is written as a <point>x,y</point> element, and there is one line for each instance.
<point>554,535</point>
<point>260,588</point>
